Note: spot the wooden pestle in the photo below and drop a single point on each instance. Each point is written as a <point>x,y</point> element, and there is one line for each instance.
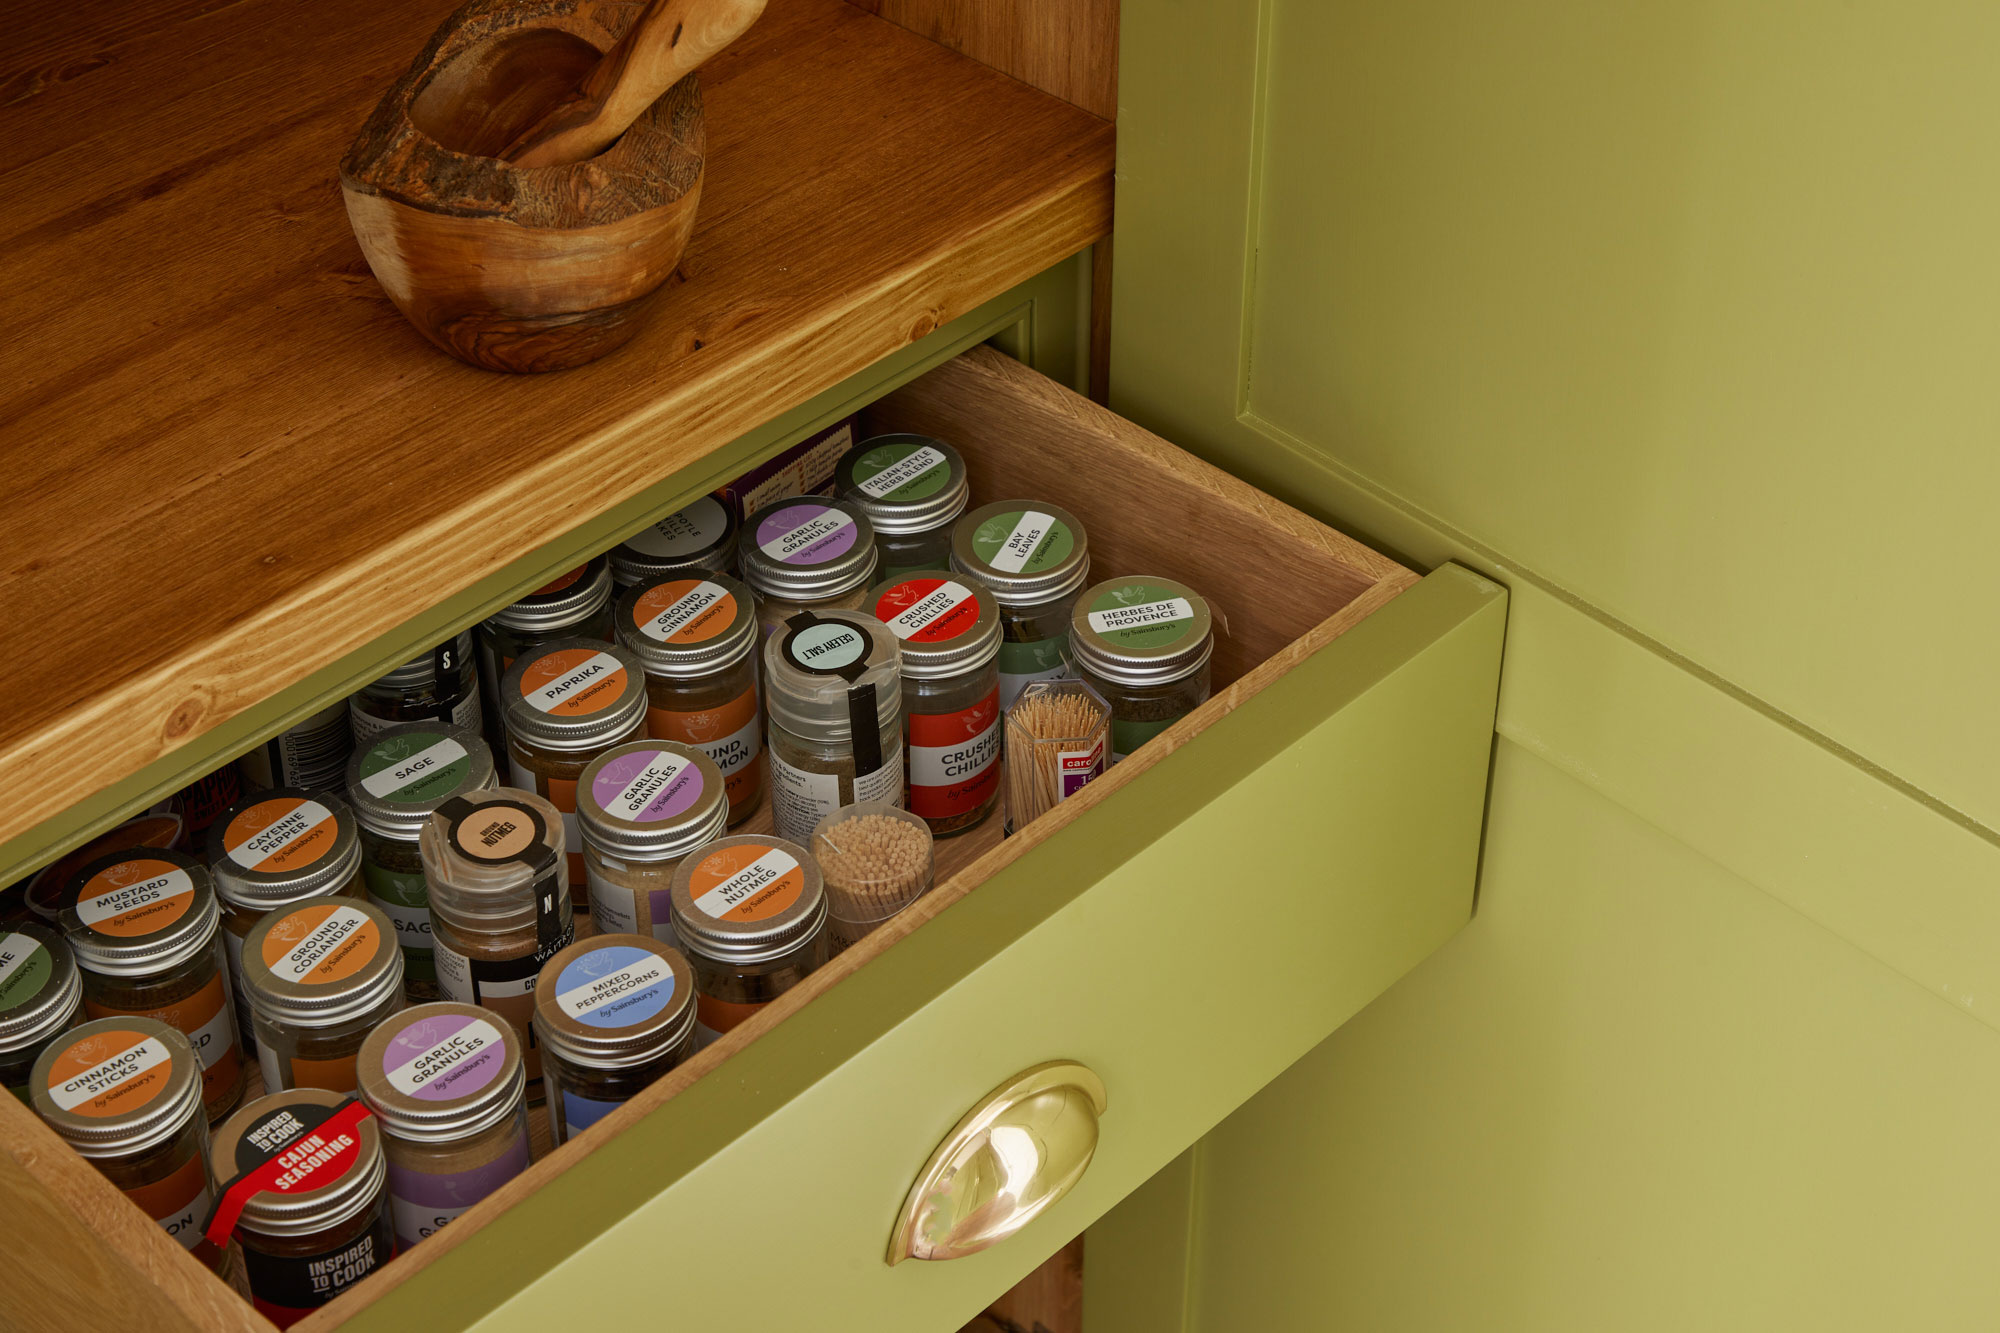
<point>667,42</point>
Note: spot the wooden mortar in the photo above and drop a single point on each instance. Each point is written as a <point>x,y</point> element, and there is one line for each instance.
<point>521,268</point>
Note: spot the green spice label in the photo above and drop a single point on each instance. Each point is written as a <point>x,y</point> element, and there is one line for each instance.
<point>25,967</point>
<point>415,767</point>
<point>1142,615</point>
<point>406,901</point>
<point>1129,736</point>
<point>1023,541</point>
<point>905,470</point>
<point>1021,663</point>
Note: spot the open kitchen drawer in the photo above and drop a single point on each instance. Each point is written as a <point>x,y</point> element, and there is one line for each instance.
<point>1186,927</point>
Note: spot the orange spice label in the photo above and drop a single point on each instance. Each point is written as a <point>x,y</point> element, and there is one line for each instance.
<point>179,1203</point>
<point>684,611</point>
<point>560,582</point>
<point>110,1073</point>
<point>719,1016</point>
<point>573,682</point>
<point>136,897</point>
<point>283,834</point>
<point>321,943</point>
<point>333,1075</point>
<point>209,1023</point>
<point>749,881</point>
<point>731,735</point>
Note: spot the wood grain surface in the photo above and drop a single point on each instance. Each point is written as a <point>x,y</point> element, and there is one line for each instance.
<point>230,461</point>
<point>1065,47</point>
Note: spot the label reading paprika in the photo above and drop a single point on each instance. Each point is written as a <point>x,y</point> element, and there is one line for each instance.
<point>686,611</point>
<point>573,682</point>
<point>283,835</point>
<point>954,759</point>
<point>135,897</point>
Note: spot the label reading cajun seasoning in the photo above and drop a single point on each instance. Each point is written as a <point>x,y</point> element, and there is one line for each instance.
<point>954,758</point>
<point>414,767</point>
<point>1023,541</point>
<point>615,987</point>
<point>646,786</point>
<point>135,897</point>
<point>686,611</point>
<point>110,1073</point>
<point>573,682</point>
<point>807,533</point>
<point>280,836</point>
<point>1141,615</point>
<point>322,943</point>
<point>688,532</point>
<point>285,1288</point>
<point>746,882</point>
<point>25,967</point>
<point>732,735</point>
<point>928,610</point>
<point>444,1058</point>
<point>901,471</point>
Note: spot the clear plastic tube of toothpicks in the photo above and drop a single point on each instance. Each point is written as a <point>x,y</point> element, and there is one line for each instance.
<point>1058,738</point>
<point>876,860</point>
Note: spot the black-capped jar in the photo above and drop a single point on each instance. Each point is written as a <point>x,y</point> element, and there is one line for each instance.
<point>698,637</point>
<point>277,848</point>
<point>41,997</point>
<point>750,915</point>
<point>1035,557</point>
<point>807,553</point>
<point>689,543</point>
<point>146,930</point>
<point>612,1014</point>
<point>912,488</point>
<point>949,629</point>
<point>304,1182</point>
<point>640,808</point>
<point>320,976</point>
<point>833,696</point>
<point>1143,643</point>
<point>441,686</point>
<point>574,605</point>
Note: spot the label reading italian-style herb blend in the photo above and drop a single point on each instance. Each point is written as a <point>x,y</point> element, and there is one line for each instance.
<point>685,611</point>
<point>902,471</point>
<point>25,967</point>
<point>688,532</point>
<point>732,735</point>
<point>320,944</point>
<point>928,610</point>
<point>805,533</point>
<point>136,897</point>
<point>283,835</point>
<point>414,768</point>
<point>1141,615</point>
<point>109,1073</point>
<point>1023,541</point>
<point>573,682</point>
<point>617,986</point>
<point>954,759</point>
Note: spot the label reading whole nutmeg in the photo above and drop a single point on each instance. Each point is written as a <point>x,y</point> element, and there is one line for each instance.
<point>746,882</point>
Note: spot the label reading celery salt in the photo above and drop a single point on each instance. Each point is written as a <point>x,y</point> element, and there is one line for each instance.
<point>902,471</point>
<point>1023,541</point>
<point>1142,615</point>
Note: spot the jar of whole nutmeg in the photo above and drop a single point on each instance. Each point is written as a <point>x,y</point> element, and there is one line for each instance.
<point>750,915</point>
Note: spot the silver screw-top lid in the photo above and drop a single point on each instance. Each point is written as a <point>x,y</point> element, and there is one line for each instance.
<point>1027,551</point>
<point>567,600</point>
<point>421,671</point>
<point>904,483</point>
<point>117,1086</point>
<point>684,626</point>
<point>747,899</point>
<point>412,768</point>
<point>139,911</point>
<point>687,543</point>
<point>807,549</point>
<point>282,845</point>
<point>268,1126</point>
<point>573,694</point>
<point>1143,630</point>
<point>817,667</point>
<point>40,986</point>
<point>321,963</point>
<point>650,801</point>
<point>437,1073</point>
<point>947,624</point>
<point>613,1001</point>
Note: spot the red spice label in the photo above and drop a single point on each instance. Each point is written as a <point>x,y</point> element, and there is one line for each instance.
<point>284,834</point>
<point>290,1150</point>
<point>109,1073</point>
<point>928,610</point>
<point>573,682</point>
<point>954,758</point>
<point>684,611</point>
<point>750,881</point>
<point>135,897</point>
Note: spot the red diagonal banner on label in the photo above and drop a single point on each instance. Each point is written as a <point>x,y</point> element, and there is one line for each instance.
<point>310,1147</point>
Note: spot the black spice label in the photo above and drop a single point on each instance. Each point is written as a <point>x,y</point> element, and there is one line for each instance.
<point>284,1287</point>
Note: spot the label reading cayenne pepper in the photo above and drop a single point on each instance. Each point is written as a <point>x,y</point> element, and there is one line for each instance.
<point>321,943</point>
<point>573,682</point>
<point>928,610</point>
<point>281,835</point>
<point>746,882</point>
<point>954,758</point>
<point>806,533</point>
<point>901,471</point>
<point>135,897</point>
<point>685,611</point>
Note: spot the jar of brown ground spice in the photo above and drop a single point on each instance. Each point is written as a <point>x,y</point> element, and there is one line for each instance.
<point>447,1083</point>
<point>41,997</point>
<point>612,1014</point>
<point>750,915</point>
<point>144,925</point>
<point>641,807</point>
<point>574,605</point>
<point>440,686</point>
<point>320,977</point>
<point>565,703</point>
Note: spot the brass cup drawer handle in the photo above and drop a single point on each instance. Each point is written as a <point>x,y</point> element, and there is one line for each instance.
<point>1019,1150</point>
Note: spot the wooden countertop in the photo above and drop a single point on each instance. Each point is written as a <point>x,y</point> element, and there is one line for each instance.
<point>229,461</point>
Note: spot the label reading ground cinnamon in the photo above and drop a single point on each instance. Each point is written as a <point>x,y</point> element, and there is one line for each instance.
<point>281,836</point>
<point>928,610</point>
<point>110,1073</point>
<point>732,735</point>
<point>322,943</point>
<point>573,682</point>
<point>136,897</point>
<point>746,882</point>
<point>686,611</point>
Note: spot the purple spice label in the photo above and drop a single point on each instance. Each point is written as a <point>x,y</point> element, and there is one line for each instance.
<point>647,785</point>
<point>424,1202</point>
<point>809,533</point>
<point>438,1059</point>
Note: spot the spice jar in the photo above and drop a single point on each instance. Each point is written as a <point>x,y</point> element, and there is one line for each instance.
<point>576,605</point>
<point>273,850</point>
<point>698,640</point>
<point>499,883</point>
<point>834,695</point>
<point>312,754</point>
<point>640,808</point>
<point>394,782</point>
<point>41,997</point>
<point>1034,556</point>
<point>156,828</point>
<point>690,543</point>
<point>1144,644</point>
<point>950,634</point>
<point>876,861</point>
<point>304,1193</point>
<point>566,703</point>
<point>912,488</point>
<point>612,1014</point>
<point>807,553</point>
<point>441,686</point>
<point>750,915</point>
<point>447,1084</point>
<point>144,926</point>
<point>320,976</point>
<point>125,1093</point>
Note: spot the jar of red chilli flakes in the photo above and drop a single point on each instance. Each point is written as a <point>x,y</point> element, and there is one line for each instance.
<point>948,629</point>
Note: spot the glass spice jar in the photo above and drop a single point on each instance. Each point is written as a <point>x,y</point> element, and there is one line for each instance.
<point>612,1014</point>
<point>698,640</point>
<point>144,925</point>
<point>950,635</point>
<point>576,605</point>
<point>807,553</point>
<point>125,1093</point>
<point>640,808</point>
<point>912,488</point>
<point>442,685</point>
<point>833,695</point>
<point>320,976</point>
<point>499,885</point>
<point>1034,557</point>
<point>278,848</point>
<point>304,1191</point>
<point>393,784</point>
<point>155,828</point>
<point>688,544</point>
<point>312,754</point>
<point>41,997</point>
<point>447,1084</point>
<point>750,915</point>
<point>1144,644</point>
<point>567,702</point>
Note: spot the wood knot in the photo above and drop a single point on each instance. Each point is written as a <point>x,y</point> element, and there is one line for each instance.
<point>925,326</point>
<point>182,721</point>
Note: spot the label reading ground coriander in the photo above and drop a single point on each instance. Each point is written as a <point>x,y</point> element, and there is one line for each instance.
<point>1141,615</point>
<point>25,967</point>
<point>747,882</point>
<point>136,897</point>
<point>573,682</point>
<point>283,835</point>
<point>616,987</point>
<point>901,471</point>
<point>928,610</point>
<point>805,533</point>
<point>319,944</point>
<point>110,1073</point>
<point>688,532</point>
<point>686,611</point>
<point>1023,541</point>
<point>416,767</point>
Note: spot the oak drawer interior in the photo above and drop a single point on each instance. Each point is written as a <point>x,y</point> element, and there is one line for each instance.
<point>1282,586</point>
